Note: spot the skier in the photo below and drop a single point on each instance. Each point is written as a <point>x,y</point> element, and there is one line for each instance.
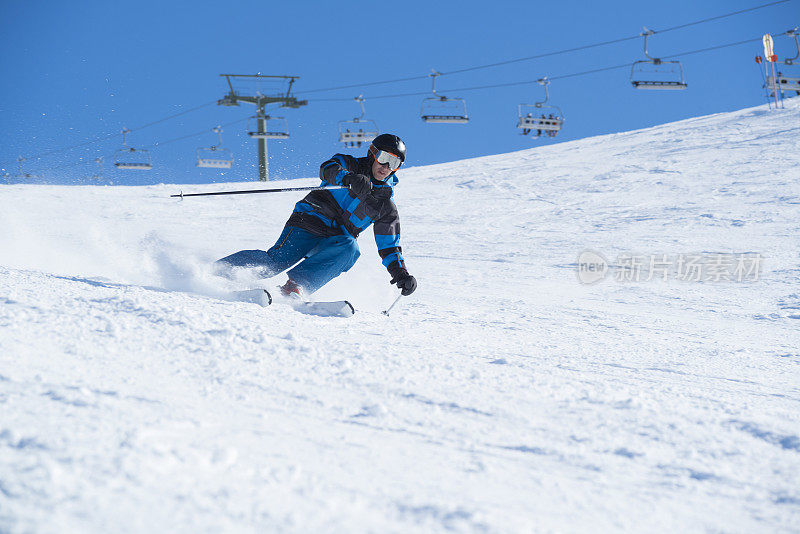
<point>324,225</point>
<point>526,131</point>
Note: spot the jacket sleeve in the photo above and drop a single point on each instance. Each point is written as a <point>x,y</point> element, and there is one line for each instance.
<point>336,168</point>
<point>387,237</point>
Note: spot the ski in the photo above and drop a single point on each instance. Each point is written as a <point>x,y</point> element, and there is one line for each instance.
<point>256,296</point>
<point>339,308</point>
<point>262,297</point>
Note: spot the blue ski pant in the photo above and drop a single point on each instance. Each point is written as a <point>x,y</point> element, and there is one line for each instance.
<point>325,257</point>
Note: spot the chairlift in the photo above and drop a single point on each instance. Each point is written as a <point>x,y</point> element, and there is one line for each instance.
<point>441,109</point>
<point>783,82</point>
<point>130,158</point>
<point>215,157</point>
<point>794,34</point>
<point>540,117</point>
<point>268,127</point>
<point>655,73</point>
<point>359,130</point>
<point>22,173</point>
<point>99,174</point>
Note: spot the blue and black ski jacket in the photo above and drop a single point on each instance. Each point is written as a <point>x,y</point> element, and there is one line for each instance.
<point>339,211</point>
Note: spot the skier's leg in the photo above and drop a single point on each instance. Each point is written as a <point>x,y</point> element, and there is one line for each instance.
<point>292,245</point>
<point>332,257</point>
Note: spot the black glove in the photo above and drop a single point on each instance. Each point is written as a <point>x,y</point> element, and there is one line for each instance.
<point>379,194</point>
<point>359,184</point>
<point>405,282</point>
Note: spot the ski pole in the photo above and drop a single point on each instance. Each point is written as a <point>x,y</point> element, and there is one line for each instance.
<point>249,191</point>
<point>386,312</point>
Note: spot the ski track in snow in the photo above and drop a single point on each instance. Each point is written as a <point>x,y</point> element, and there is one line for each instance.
<point>503,396</point>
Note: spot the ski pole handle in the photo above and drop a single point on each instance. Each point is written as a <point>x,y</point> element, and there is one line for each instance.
<point>386,312</point>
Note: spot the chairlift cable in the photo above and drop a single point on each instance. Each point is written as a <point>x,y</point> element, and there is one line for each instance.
<point>681,54</point>
<point>562,76</point>
<point>396,95</point>
<point>111,136</point>
<point>157,144</point>
<point>367,84</point>
<point>547,54</point>
<point>159,121</point>
<point>57,150</point>
<point>722,16</point>
<point>539,56</point>
<point>526,82</point>
<point>614,41</point>
<point>187,136</point>
<point>196,134</point>
<point>593,71</point>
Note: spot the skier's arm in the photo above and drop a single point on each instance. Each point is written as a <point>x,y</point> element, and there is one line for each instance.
<point>387,238</point>
<point>333,170</point>
<point>341,170</point>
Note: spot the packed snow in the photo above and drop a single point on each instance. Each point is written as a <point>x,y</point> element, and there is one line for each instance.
<point>505,395</point>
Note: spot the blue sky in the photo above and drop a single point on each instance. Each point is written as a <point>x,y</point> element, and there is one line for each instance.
<point>76,71</point>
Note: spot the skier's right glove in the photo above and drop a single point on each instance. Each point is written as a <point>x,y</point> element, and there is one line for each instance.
<point>405,282</point>
<point>358,184</point>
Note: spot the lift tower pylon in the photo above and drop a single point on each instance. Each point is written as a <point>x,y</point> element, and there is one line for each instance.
<point>261,90</point>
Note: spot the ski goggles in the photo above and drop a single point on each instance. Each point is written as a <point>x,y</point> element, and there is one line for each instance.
<point>384,158</point>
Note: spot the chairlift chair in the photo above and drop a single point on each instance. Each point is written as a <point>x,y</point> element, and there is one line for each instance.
<point>99,174</point>
<point>783,82</point>
<point>794,34</point>
<point>274,127</point>
<point>540,117</point>
<point>130,158</point>
<point>359,130</point>
<point>23,174</point>
<point>662,75</point>
<point>215,157</point>
<point>441,109</point>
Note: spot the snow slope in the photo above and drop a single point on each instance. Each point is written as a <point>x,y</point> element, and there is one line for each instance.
<point>503,396</point>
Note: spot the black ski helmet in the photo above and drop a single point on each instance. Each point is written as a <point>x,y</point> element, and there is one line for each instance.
<point>390,143</point>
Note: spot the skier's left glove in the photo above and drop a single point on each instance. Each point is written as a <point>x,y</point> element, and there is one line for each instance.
<point>405,282</point>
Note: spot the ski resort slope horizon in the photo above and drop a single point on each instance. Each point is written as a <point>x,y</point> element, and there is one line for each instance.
<point>503,396</point>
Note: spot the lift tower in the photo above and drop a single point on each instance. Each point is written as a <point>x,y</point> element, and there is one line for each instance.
<point>261,90</point>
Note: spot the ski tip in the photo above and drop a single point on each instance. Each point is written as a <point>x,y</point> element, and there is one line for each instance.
<point>269,297</point>
<point>337,308</point>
